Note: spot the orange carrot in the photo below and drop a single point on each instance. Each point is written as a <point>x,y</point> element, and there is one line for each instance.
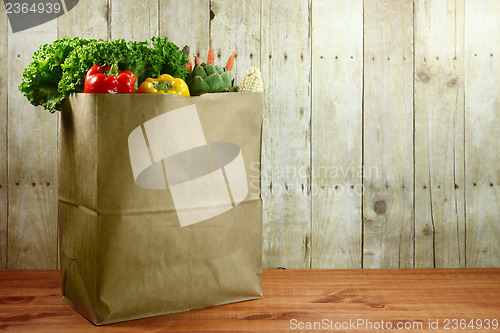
<point>197,61</point>
<point>230,61</point>
<point>210,59</point>
<point>189,65</point>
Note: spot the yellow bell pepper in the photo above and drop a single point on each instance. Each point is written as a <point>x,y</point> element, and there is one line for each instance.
<point>164,84</point>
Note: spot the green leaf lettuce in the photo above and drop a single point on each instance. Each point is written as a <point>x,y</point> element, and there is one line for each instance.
<point>59,68</point>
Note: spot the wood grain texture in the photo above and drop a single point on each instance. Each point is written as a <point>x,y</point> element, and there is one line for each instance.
<point>482,132</point>
<point>88,19</point>
<point>388,217</point>
<point>236,24</point>
<point>3,139</point>
<point>286,167</point>
<point>133,20</point>
<point>337,85</point>
<point>187,23</point>
<point>31,302</point>
<point>32,155</point>
<point>439,134</point>
<point>433,122</point>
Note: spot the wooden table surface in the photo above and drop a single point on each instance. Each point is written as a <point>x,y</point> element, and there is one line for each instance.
<point>362,300</point>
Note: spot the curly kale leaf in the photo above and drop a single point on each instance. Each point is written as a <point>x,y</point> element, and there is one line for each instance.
<point>40,79</point>
<point>172,59</point>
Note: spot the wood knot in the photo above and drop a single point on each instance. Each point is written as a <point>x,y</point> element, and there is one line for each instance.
<point>423,77</point>
<point>451,82</point>
<point>380,207</point>
<point>330,299</point>
<point>16,299</point>
<point>427,230</point>
<point>376,305</point>
<point>258,316</point>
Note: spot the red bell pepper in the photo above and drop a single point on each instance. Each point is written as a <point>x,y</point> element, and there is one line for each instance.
<point>109,80</point>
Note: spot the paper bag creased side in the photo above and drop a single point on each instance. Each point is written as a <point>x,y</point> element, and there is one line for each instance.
<point>124,254</point>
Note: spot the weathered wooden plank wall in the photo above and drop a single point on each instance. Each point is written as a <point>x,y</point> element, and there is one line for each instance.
<point>482,132</point>
<point>336,131</point>
<point>3,139</point>
<point>381,135</point>
<point>286,164</point>
<point>439,134</point>
<point>32,162</point>
<point>388,134</point>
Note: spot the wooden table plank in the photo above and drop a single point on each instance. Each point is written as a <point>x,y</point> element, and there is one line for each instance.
<point>30,301</point>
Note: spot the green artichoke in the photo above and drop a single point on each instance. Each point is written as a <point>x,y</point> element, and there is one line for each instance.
<point>210,79</point>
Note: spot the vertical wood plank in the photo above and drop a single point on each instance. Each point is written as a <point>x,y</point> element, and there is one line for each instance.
<point>32,158</point>
<point>337,78</point>
<point>286,43</point>
<point>133,20</point>
<point>3,139</point>
<point>88,19</point>
<point>236,24</point>
<point>439,134</point>
<point>186,23</point>
<point>388,218</point>
<point>482,132</point>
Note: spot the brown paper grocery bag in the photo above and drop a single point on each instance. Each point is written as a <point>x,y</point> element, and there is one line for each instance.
<point>159,203</point>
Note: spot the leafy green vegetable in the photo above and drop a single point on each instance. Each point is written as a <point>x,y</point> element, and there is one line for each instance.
<point>41,77</point>
<point>58,69</point>
<point>172,60</point>
<point>78,62</point>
